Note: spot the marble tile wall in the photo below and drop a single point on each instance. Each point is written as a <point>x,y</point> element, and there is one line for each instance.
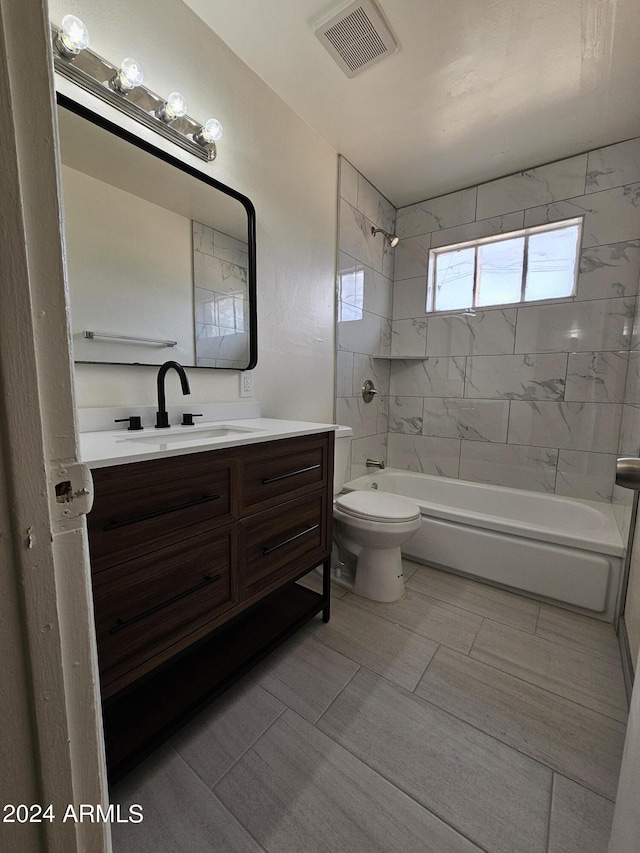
<point>364,300</point>
<point>536,397</point>
<point>221,303</point>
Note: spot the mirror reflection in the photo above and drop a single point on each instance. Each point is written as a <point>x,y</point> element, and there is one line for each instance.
<point>160,260</point>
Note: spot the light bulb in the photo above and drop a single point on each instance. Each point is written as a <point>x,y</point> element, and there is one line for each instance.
<point>73,37</point>
<point>211,131</point>
<point>129,76</point>
<point>174,107</point>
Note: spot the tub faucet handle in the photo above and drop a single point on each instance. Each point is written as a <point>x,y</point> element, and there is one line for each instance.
<point>369,391</point>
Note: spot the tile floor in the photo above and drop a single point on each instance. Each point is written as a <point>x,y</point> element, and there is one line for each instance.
<point>461,719</point>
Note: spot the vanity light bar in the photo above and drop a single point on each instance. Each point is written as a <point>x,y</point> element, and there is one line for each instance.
<point>95,75</point>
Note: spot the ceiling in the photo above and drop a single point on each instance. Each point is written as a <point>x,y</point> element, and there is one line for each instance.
<point>477,89</point>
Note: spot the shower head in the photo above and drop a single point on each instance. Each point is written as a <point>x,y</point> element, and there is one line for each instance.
<point>392,238</point>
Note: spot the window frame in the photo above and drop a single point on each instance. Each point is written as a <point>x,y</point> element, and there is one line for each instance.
<point>559,225</point>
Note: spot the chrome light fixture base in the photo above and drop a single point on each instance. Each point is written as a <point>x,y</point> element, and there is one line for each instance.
<point>94,74</point>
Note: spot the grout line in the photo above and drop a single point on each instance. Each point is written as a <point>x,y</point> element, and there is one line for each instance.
<point>251,746</point>
<point>339,693</point>
<point>586,172</point>
<point>551,789</point>
<point>555,470</point>
<point>254,742</point>
<point>424,672</point>
<point>468,654</point>
<point>222,804</point>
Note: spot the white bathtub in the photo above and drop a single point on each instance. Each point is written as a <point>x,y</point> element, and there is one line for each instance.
<point>559,549</point>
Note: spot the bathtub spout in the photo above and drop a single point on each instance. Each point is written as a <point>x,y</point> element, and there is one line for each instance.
<point>375,463</point>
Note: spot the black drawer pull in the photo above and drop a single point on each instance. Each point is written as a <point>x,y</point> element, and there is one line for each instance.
<point>124,623</point>
<point>266,551</point>
<point>290,474</point>
<point>115,525</point>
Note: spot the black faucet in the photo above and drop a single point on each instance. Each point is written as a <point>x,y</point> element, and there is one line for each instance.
<point>162,418</point>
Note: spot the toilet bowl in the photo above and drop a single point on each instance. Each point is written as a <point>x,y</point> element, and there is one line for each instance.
<point>372,527</point>
<point>369,531</point>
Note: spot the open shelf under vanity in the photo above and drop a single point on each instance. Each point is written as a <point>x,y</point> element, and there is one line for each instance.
<point>139,718</point>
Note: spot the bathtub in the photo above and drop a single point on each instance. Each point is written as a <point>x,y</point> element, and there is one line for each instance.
<point>562,550</point>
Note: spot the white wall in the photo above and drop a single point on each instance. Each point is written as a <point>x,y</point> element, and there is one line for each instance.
<point>111,265</point>
<point>270,155</point>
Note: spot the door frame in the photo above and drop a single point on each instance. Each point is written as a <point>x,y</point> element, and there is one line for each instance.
<point>55,742</point>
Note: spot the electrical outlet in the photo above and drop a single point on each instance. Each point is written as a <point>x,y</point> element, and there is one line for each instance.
<point>246,384</point>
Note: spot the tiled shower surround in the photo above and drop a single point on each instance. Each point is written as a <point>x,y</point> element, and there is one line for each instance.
<point>364,314</point>
<point>529,396</point>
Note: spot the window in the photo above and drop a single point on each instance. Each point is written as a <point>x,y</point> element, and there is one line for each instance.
<point>523,266</point>
<point>351,302</point>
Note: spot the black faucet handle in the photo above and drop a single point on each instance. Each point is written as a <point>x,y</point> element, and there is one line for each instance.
<point>135,422</point>
<point>187,418</point>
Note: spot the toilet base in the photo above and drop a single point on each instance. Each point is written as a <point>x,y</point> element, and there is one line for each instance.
<point>378,575</point>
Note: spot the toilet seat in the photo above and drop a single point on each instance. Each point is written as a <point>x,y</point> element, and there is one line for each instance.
<point>378,506</point>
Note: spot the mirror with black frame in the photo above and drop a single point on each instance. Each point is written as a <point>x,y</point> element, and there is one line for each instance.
<point>160,257</point>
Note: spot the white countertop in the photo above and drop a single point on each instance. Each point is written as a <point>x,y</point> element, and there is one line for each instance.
<point>118,447</point>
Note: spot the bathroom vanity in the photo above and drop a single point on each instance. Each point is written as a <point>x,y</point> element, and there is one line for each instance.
<point>197,539</point>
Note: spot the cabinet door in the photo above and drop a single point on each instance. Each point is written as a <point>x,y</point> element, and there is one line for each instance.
<point>284,470</point>
<point>282,542</point>
<point>146,506</point>
<point>144,607</point>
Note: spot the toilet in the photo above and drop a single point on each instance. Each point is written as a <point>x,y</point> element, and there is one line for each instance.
<point>369,531</point>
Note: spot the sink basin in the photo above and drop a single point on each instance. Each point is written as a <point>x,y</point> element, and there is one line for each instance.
<point>188,435</point>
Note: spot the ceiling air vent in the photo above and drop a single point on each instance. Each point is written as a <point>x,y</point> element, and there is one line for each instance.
<point>357,37</point>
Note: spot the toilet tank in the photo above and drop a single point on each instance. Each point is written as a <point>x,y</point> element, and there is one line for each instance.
<point>343,445</point>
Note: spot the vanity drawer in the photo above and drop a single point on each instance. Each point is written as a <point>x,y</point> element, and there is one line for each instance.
<point>282,541</point>
<point>150,505</point>
<point>146,605</point>
<point>284,470</point>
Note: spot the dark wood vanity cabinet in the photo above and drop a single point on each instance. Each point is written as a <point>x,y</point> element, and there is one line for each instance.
<point>194,561</point>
